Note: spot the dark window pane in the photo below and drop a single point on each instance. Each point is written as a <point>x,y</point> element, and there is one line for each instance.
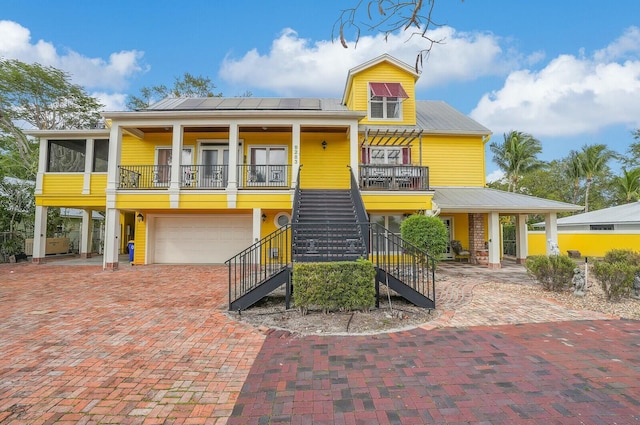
<point>100,155</point>
<point>66,156</point>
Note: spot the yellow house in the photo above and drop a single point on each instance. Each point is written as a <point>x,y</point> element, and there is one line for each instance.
<point>198,180</point>
<point>594,233</point>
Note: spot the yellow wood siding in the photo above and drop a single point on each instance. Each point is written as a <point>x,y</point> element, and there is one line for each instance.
<point>453,160</point>
<point>384,73</point>
<point>385,202</point>
<point>324,168</point>
<point>269,225</point>
<point>98,184</point>
<point>142,152</point>
<point>142,200</point>
<point>203,200</point>
<point>264,200</point>
<point>61,184</point>
<point>589,244</point>
<point>140,247</point>
<point>460,228</point>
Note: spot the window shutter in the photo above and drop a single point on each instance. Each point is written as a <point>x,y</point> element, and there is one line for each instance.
<point>406,156</point>
<point>364,155</point>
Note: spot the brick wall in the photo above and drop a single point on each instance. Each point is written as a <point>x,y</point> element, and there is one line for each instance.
<point>476,235</point>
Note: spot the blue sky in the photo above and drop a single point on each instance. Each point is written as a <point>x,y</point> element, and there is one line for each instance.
<point>567,72</point>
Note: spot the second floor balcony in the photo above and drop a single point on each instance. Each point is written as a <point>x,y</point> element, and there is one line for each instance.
<point>249,176</point>
<point>204,176</point>
<point>393,177</point>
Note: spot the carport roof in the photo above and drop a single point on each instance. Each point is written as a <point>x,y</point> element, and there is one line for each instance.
<point>626,213</point>
<point>482,199</point>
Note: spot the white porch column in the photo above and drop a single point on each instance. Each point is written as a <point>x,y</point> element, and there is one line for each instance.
<point>115,148</point>
<point>295,154</point>
<point>42,165</point>
<point>88,166</point>
<point>257,224</point>
<point>522,239</point>
<point>111,239</point>
<point>232,184</point>
<point>176,157</point>
<point>551,233</point>
<point>494,240</point>
<point>354,150</point>
<point>40,235</point>
<point>86,233</point>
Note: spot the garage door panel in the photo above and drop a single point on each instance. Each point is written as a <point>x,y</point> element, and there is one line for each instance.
<point>201,239</point>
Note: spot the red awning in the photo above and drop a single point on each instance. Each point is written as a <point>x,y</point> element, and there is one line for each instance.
<point>388,90</point>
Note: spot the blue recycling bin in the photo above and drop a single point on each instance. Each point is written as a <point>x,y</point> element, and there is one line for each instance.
<point>130,246</point>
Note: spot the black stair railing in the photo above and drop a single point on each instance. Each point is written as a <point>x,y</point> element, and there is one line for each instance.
<point>256,264</point>
<point>329,241</point>
<point>295,213</point>
<point>403,261</point>
<point>361,211</point>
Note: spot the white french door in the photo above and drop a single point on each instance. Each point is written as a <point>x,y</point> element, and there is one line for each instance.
<point>214,165</point>
<point>448,223</point>
<point>162,171</point>
<point>268,166</point>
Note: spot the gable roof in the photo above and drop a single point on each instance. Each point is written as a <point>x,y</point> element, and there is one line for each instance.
<point>373,62</point>
<point>483,199</point>
<point>434,116</point>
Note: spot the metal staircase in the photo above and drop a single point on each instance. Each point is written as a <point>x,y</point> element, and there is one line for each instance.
<point>326,227</point>
<point>329,225</point>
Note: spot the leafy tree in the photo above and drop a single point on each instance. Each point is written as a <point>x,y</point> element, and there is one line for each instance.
<point>44,98</point>
<point>627,186</point>
<point>574,172</point>
<point>16,203</point>
<point>428,233</point>
<point>186,86</point>
<point>632,159</point>
<point>594,163</point>
<point>516,156</point>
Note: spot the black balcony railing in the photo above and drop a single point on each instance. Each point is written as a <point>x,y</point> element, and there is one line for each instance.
<point>144,176</point>
<point>204,176</point>
<point>394,177</point>
<point>250,176</point>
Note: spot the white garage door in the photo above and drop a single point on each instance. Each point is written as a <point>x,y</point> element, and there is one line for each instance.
<point>200,239</point>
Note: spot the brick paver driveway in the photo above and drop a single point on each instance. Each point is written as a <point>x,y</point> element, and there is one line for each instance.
<point>152,345</point>
<point>141,345</point>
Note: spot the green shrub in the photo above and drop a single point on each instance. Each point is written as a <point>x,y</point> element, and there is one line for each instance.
<point>13,246</point>
<point>553,272</point>
<point>346,285</point>
<point>427,233</point>
<point>616,278</point>
<point>623,256</point>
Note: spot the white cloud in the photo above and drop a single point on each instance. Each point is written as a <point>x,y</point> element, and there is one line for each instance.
<point>571,95</point>
<point>111,74</point>
<point>495,176</point>
<point>296,66</point>
<point>111,101</point>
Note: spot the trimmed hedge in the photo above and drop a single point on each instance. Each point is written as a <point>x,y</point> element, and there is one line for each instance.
<point>616,272</point>
<point>554,272</point>
<point>345,285</point>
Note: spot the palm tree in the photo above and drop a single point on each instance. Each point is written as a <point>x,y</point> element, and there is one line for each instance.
<point>594,162</point>
<point>517,155</point>
<point>628,185</point>
<point>573,171</point>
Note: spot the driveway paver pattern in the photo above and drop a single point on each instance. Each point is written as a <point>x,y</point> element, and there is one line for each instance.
<point>143,345</point>
<point>153,345</point>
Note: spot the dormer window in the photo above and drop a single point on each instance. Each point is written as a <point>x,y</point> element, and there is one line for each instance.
<point>385,101</point>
